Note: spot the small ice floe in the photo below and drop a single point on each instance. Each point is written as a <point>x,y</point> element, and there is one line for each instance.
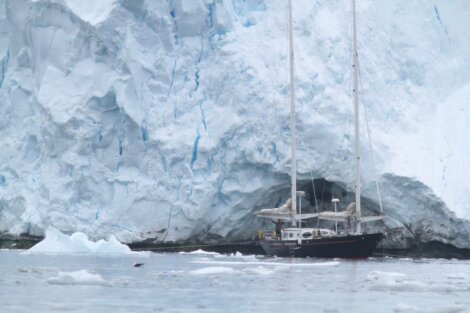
<point>387,277</point>
<point>400,282</point>
<point>458,276</point>
<point>405,308</point>
<point>393,281</point>
<point>173,273</point>
<point>82,277</point>
<point>36,270</point>
<point>200,252</point>
<point>259,270</point>
<point>237,256</point>
<point>277,264</point>
<point>454,308</point>
<point>213,270</point>
<point>57,242</point>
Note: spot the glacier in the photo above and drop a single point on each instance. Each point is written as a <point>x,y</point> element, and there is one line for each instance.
<point>168,119</point>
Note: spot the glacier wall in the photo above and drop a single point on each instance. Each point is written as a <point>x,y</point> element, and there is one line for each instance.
<point>169,119</point>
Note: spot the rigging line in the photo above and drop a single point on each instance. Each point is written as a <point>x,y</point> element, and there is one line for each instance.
<point>168,226</point>
<point>314,192</point>
<point>348,123</point>
<point>349,127</point>
<point>323,191</point>
<point>282,63</point>
<point>370,141</point>
<point>285,44</point>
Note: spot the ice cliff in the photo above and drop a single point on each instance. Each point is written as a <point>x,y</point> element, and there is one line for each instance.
<point>169,119</point>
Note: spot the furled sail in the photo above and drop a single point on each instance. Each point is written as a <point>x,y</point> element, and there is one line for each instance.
<point>349,213</point>
<point>284,212</point>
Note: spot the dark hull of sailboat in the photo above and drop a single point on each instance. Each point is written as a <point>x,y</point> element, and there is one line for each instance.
<point>354,246</point>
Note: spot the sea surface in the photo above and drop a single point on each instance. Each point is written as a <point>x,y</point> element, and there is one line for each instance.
<point>206,282</point>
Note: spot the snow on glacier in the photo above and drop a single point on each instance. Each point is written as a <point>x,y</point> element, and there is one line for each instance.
<point>169,119</point>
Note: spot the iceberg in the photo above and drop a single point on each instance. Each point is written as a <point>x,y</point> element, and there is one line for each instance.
<point>168,120</point>
<point>56,242</point>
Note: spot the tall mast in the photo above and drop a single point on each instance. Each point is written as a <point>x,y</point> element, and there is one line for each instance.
<point>293,143</point>
<point>356,115</point>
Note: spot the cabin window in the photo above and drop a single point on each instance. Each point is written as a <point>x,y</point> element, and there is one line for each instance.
<point>306,235</point>
<point>291,235</point>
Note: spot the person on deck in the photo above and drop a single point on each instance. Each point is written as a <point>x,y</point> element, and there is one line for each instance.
<point>279,224</point>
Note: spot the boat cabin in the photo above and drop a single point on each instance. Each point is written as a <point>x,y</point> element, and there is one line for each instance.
<point>306,233</point>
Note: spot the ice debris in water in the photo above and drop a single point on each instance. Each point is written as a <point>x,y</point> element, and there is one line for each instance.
<point>213,270</point>
<point>200,251</point>
<point>260,270</point>
<point>459,276</point>
<point>57,242</point>
<point>393,281</point>
<point>402,308</point>
<point>405,308</point>
<point>82,277</point>
<point>388,278</point>
<point>400,282</point>
<point>237,255</point>
<point>277,264</point>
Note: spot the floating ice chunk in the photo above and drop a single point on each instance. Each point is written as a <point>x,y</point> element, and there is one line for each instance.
<point>205,258</point>
<point>400,282</point>
<point>387,277</point>
<point>455,308</point>
<point>278,264</point>
<point>36,270</point>
<point>259,270</point>
<point>237,255</point>
<point>201,252</point>
<point>57,242</point>
<point>82,277</point>
<point>213,270</point>
<point>459,276</point>
<point>394,281</point>
<point>405,308</point>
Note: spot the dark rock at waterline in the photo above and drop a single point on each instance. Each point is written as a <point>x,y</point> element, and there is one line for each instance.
<point>22,241</point>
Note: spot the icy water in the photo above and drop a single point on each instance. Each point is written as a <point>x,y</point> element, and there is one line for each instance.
<point>221,283</point>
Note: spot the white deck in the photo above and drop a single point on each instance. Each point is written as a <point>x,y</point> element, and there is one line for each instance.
<point>306,233</point>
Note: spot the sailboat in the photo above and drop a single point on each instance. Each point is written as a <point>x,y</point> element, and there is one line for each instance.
<point>298,241</point>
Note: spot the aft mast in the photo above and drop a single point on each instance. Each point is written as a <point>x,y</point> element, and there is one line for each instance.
<point>293,143</point>
<point>357,156</point>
